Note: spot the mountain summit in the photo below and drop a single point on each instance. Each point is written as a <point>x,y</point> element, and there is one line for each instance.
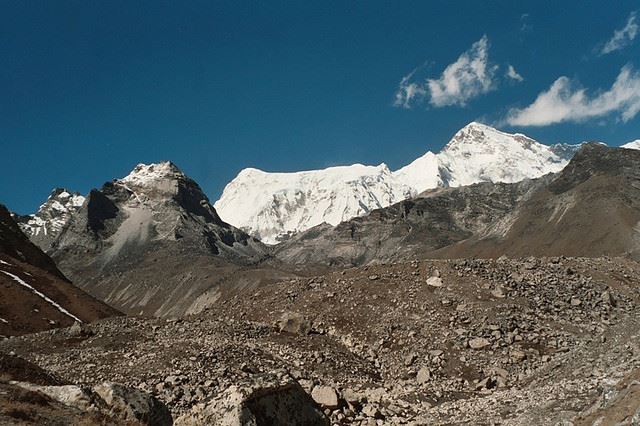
<point>44,226</point>
<point>156,215</point>
<point>273,206</point>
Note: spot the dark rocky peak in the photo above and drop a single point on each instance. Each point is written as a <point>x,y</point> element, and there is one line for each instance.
<point>595,158</point>
<point>14,243</point>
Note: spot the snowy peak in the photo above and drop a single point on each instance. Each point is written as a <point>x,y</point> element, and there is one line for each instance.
<point>52,217</point>
<point>422,173</point>
<point>148,174</point>
<point>271,206</point>
<point>482,138</point>
<point>153,185</point>
<point>162,177</point>
<point>632,145</point>
<point>480,153</point>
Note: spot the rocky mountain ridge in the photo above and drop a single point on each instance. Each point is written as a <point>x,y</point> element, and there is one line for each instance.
<point>36,296</point>
<point>590,208</point>
<point>45,225</point>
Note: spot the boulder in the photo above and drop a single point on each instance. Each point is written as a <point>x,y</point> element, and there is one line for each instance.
<point>434,281</point>
<point>122,404</point>
<point>294,323</point>
<point>478,343</point>
<point>423,376</point>
<point>263,401</point>
<point>133,405</point>
<point>326,396</point>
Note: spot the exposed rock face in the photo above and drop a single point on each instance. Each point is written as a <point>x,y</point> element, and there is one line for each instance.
<point>52,217</point>
<point>151,243</point>
<point>275,206</point>
<point>591,208</point>
<point>264,401</point>
<point>416,227</point>
<point>36,296</point>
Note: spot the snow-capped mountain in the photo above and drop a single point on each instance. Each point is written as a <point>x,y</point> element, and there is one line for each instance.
<point>272,206</point>
<point>480,153</point>
<point>153,203</point>
<point>632,145</point>
<point>52,217</point>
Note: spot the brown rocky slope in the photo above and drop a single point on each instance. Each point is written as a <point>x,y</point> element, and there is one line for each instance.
<point>36,296</point>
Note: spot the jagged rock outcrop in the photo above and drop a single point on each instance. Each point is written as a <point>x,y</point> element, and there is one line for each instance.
<point>52,217</point>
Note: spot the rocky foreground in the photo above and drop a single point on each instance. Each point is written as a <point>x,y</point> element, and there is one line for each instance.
<point>527,341</point>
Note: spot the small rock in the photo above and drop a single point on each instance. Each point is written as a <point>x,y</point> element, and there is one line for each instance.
<point>607,299</point>
<point>370,410</point>
<point>325,396</point>
<point>434,281</point>
<point>294,323</point>
<point>478,343</point>
<point>423,376</point>
<point>518,356</point>
<point>498,293</point>
<point>409,359</point>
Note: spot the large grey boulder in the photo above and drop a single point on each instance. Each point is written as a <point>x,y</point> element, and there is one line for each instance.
<point>133,405</point>
<point>261,402</point>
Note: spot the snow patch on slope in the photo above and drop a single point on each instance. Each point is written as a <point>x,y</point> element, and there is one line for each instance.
<point>42,295</point>
<point>54,214</point>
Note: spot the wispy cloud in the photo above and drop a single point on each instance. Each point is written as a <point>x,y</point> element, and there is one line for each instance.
<point>565,102</point>
<point>525,26</point>
<point>623,37</point>
<point>468,77</point>
<point>409,92</point>
<point>513,74</point>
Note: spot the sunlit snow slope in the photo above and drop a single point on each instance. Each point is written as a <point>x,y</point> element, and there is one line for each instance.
<point>272,206</point>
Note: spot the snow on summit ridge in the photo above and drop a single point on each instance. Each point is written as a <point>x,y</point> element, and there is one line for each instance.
<point>272,206</point>
<point>147,174</point>
<point>52,216</point>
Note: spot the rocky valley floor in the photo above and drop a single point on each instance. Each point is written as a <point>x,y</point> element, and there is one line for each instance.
<point>507,341</point>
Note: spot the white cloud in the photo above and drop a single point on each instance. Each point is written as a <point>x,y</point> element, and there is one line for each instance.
<point>563,102</point>
<point>409,92</point>
<point>525,26</point>
<point>468,77</point>
<point>623,37</point>
<point>513,74</point>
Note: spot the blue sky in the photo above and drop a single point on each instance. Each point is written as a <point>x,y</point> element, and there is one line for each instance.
<point>90,89</point>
